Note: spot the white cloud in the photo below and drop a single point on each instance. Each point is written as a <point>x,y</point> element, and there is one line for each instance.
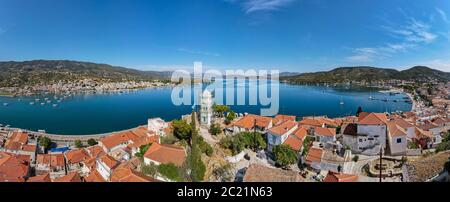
<point>198,52</point>
<point>443,15</point>
<point>251,6</point>
<point>414,31</point>
<point>363,55</point>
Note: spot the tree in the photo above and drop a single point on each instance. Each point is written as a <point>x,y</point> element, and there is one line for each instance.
<point>356,158</point>
<point>91,142</point>
<point>142,150</point>
<point>78,144</point>
<point>193,119</point>
<point>215,129</point>
<point>45,142</point>
<point>359,111</point>
<point>195,165</point>
<point>230,117</point>
<point>170,171</point>
<point>284,155</point>
<point>219,110</point>
<point>182,130</point>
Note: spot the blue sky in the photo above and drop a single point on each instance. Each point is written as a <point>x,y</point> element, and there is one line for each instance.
<point>289,35</point>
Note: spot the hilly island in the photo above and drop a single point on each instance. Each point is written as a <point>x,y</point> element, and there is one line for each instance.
<point>44,72</point>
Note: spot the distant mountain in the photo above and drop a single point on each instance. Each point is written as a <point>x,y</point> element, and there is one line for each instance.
<point>365,73</point>
<point>50,71</point>
<point>285,74</point>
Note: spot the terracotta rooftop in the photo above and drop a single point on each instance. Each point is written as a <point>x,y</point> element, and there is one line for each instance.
<point>125,174</point>
<point>109,161</point>
<point>427,126</point>
<point>248,121</point>
<point>395,130</point>
<point>114,140</point>
<point>301,133</point>
<point>329,132</point>
<point>166,154</point>
<point>94,176</point>
<point>13,167</point>
<point>95,151</point>
<point>40,178</point>
<point>71,177</point>
<point>282,118</point>
<point>294,142</point>
<point>373,119</point>
<point>19,136</point>
<point>283,128</point>
<point>52,160</point>
<point>311,122</point>
<point>340,177</point>
<point>314,155</point>
<point>403,123</point>
<point>76,156</point>
<point>260,173</point>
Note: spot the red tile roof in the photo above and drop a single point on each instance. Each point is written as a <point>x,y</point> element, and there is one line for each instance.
<point>403,123</point>
<point>166,154</point>
<point>52,160</point>
<point>71,177</point>
<point>340,177</point>
<point>40,178</point>
<point>314,155</point>
<point>373,119</point>
<point>301,133</point>
<point>76,156</point>
<point>395,130</point>
<point>311,122</point>
<point>13,167</point>
<point>329,132</point>
<point>95,151</point>
<point>295,143</point>
<point>94,176</point>
<point>109,161</point>
<point>125,174</point>
<point>114,140</point>
<point>248,121</point>
<point>282,118</point>
<point>283,128</point>
<point>19,136</point>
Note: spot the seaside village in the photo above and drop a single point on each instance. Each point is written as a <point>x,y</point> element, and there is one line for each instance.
<point>367,147</point>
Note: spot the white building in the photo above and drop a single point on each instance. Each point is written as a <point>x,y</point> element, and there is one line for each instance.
<point>206,111</point>
<point>105,166</point>
<point>397,139</point>
<point>278,134</point>
<point>157,125</point>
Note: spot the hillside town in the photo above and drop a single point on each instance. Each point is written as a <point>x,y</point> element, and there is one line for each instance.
<point>81,86</point>
<point>216,144</point>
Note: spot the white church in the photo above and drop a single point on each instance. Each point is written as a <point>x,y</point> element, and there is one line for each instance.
<point>206,111</point>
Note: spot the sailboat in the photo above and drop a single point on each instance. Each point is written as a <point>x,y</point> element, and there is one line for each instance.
<point>342,102</point>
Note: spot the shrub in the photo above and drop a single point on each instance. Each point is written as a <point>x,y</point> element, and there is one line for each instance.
<point>170,171</point>
<point>149,170</point>
<point>92,142</point>
<point>215,129</point>
<point>356,158</point>
<point>182,130</point>
<point>284,155</point>
<point>78,144</point>
<point>169,139</point>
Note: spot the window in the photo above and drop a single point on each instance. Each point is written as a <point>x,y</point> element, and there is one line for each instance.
<point>399,140</point>
<point>370,138</point>
<point>360,140</point>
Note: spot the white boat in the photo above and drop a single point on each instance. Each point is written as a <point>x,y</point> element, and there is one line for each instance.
<point>37,99</point>
<point>55,105</point>
<point>43,103</point>
<point>49,101</point>
<point>31,103</point>
<point>5,104</point>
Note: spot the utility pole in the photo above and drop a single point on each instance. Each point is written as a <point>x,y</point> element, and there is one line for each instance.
<point>254,135</point>
<point>381,162</point>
